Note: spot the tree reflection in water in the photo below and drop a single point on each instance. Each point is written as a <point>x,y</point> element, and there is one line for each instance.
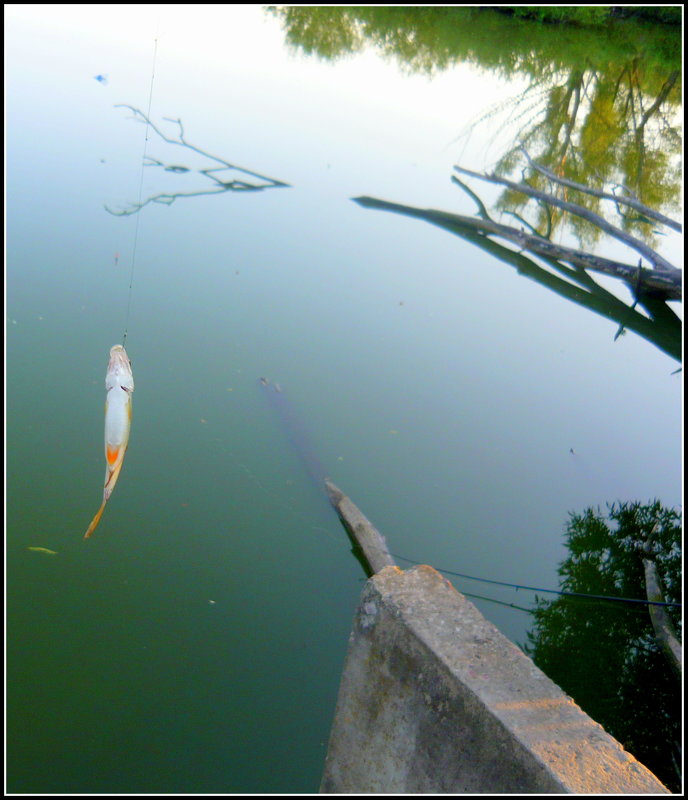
<point>608,656</point>
<point>221,174</point>
<point>603,105</point>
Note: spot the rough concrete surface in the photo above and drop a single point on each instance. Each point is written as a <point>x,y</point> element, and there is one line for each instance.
<point>434,699</point>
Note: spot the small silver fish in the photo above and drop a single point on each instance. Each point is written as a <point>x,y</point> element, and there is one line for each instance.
<point>119,383</point>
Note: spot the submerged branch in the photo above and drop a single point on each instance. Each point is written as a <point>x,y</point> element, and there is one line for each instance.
<point>638,279</point>
<point>660,263</point>
<point>662,327</point>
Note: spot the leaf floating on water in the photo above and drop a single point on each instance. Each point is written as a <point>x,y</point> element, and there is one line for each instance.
<point>43,550</point>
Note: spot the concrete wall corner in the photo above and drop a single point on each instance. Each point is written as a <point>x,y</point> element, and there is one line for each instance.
<point>434,699</point>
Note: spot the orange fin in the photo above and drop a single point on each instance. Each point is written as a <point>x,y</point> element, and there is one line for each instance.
<point>111,453</point>
<point>95,521</point>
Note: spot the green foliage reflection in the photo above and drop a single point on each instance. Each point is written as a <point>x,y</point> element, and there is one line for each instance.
<point>604,655</point>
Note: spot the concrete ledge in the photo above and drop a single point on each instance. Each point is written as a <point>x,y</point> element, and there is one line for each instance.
<point>434,699</point>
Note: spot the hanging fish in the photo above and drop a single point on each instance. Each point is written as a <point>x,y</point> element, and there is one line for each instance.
<point>119,383</point>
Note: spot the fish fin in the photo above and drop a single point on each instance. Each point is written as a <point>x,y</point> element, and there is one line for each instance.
<point>95,520</point>
<point>112,475</point>
<point>111,453</point>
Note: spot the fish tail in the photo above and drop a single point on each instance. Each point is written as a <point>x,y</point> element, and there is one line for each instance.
<point>95,521</point>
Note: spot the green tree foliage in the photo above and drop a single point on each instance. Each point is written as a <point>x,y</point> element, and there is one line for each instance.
<point>577,15</point>
<point>605,654</point>
<point>431,38</point>
<point>667,15</point>
<point>595,15</point>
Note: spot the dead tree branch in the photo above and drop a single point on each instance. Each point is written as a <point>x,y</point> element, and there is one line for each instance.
<point>631,202</point>
<point>662,327</point>
<point>663,628</point>
<point>658,262</point>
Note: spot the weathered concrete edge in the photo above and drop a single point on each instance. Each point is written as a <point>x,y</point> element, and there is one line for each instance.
<point>417,615</point>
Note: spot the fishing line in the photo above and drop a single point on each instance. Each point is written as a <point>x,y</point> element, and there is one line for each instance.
<point>548,591</point>
<point>301,444</point>
<point>140,194</point>
<point>596,599</point>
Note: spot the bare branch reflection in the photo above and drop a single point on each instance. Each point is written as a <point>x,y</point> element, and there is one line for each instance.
<point>217,174</point>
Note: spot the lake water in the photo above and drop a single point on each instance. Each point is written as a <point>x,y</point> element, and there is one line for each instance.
<point>195,643</point>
